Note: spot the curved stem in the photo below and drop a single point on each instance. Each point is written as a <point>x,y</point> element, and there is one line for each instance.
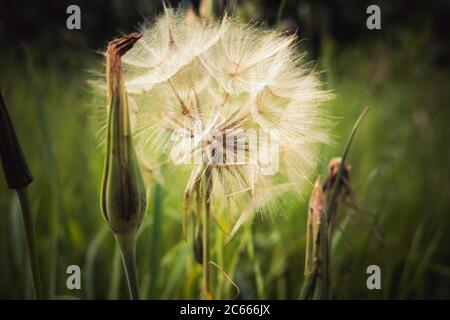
<point>127,246</point>
<point>29,233</point>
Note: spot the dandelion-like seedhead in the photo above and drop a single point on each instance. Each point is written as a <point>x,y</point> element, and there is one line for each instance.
<point>231,97</point>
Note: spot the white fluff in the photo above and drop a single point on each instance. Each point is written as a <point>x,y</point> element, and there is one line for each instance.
<point>188,77</point>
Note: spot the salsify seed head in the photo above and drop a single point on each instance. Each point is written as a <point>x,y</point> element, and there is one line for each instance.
<point>229,96</point>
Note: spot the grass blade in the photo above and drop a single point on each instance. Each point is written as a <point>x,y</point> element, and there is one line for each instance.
<point>325,281</point>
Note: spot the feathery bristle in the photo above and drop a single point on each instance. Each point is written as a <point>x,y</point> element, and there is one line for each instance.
<point>231,96</point>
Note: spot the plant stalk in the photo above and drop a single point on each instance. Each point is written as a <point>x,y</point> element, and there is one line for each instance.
<point>156,238</point>
<point>127,245</point>
<point>325,229</point>
<point>325,267</point>
<point>31,244</point>
<point>206,292</point>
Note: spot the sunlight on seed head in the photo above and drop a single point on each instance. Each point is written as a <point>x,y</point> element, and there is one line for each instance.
<point>204,89</point>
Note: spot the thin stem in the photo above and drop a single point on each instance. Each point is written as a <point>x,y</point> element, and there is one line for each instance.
<point>325,268</point>
<point>156,238</point>
<point>127,245</point>
<point>307,290</point>
<point>206,236</point>
<point>113,291</point>
<point>29,233</point>
<point>335,189</point>
<point>326,232</point>
<point>280,12</point>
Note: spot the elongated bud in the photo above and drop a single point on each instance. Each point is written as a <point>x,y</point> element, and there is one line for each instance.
<point>317,205</point>
<point>316,216</point>
<point>123,191</point>
<point>15,166</point>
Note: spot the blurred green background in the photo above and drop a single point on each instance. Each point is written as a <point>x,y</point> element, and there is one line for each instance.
<point>400,157</point>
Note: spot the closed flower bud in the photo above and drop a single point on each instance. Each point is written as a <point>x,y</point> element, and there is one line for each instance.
<point>15,166</point>
<point>123,190</point>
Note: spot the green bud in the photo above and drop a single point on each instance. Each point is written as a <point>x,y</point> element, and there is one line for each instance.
<point>15,166</point>
<point>123,192</point>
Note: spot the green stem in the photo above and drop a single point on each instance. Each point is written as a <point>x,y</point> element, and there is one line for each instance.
<point>127,245</point>
<point>156,237</point>
<point>29,233</point>
<point>325,229</point>
<point>307,290</point>
<point>206,236</point>
<point>280,12</point>
<point>255,262</point>
<point>325,267</point>
<point>113,291</point>
<point>335,188</point>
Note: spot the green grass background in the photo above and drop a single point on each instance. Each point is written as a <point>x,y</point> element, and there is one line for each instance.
<point>400,174</point>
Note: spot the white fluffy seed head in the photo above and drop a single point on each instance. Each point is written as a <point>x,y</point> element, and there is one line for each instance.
<point>189,79</point>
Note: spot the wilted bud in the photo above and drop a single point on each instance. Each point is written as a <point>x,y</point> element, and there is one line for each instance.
<point>333,168</point>
<point>15,166</point>
<point>123,190</point>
